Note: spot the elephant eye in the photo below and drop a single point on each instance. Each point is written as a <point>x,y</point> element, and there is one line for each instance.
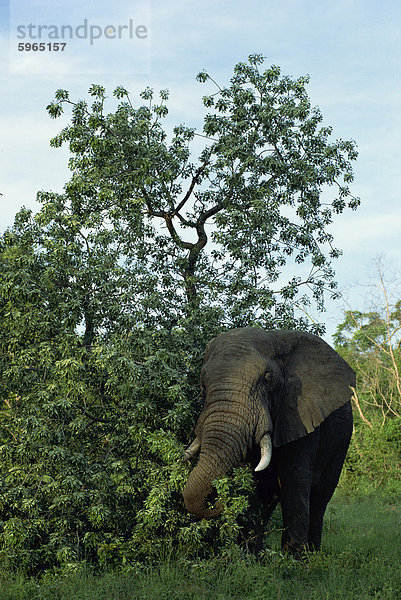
<point>267,376</point>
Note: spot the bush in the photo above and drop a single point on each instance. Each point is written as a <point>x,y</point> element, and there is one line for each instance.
<point>373,462</point>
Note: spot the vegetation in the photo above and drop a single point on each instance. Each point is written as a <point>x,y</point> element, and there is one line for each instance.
<point>110,292</point>
<point>370,341</point>
<point>360,560</point>
<point>108,296</point>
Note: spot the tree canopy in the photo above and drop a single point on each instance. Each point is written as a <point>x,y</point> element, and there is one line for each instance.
<point>214,230</point>
<point>110,292</point>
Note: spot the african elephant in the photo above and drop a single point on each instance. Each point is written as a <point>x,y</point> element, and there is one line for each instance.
<point>281,400</point>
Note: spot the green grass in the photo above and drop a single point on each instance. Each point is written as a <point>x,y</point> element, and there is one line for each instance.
<point>361,558</point>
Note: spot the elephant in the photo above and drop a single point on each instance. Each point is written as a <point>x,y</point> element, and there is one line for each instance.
<point>280,400</point>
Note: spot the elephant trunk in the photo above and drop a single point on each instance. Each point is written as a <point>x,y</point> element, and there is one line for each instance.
<point>198,490</point>
<point>228,431</point>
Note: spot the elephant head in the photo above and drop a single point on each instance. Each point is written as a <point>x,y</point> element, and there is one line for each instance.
<point>262,389</point>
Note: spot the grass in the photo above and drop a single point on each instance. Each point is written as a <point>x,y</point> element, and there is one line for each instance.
<point>360,559</point>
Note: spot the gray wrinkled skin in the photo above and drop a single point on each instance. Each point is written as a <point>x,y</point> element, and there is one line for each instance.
<point>290,392</point>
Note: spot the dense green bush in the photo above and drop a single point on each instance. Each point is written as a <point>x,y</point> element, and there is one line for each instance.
<point>373,462</point>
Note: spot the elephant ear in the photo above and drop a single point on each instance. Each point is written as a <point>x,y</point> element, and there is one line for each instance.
<point>317,382</point>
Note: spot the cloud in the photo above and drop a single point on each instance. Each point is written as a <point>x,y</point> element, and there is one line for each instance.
<point>27,163</point>
<point>366,232</point>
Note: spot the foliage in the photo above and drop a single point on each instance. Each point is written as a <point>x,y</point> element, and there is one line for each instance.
<point>373,462</point>
<point>255,190</point>
<point>360,560</point>
<point>370,342</point>
<point>110,292</point>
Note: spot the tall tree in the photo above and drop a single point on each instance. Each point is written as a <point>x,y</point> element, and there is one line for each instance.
<point>220,228</point>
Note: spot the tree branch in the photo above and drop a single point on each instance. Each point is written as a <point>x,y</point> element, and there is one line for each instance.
<point>356,401</point>
<point>168,218</point>
<point>194,181</point>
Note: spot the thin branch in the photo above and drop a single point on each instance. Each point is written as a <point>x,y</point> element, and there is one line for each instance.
<point>205,136</point>
<point>388,320</point>
<point>194,181</point>
<point>356,402</point>
<point>168,218</point>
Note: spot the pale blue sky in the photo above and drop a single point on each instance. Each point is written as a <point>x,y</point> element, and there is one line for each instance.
<point>350,48</point>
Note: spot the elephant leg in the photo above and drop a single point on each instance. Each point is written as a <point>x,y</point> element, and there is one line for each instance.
<point>268,490</point>
<point>329,462</point>
<point>321,493</point>
<point>267,498</point>
<point>262,505</point>
<point>320,496</point>
<point>318,504</point>
<point>295,466</point>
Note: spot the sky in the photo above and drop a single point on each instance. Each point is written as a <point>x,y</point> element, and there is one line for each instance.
<point>351,49</point>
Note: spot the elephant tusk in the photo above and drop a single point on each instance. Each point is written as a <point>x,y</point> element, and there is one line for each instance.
<point>192,449</point>
<point>265,452</point>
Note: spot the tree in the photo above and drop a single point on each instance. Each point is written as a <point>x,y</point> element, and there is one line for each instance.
<point>370,341</point>
<point>110,292</point>
<point>254,192</point>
